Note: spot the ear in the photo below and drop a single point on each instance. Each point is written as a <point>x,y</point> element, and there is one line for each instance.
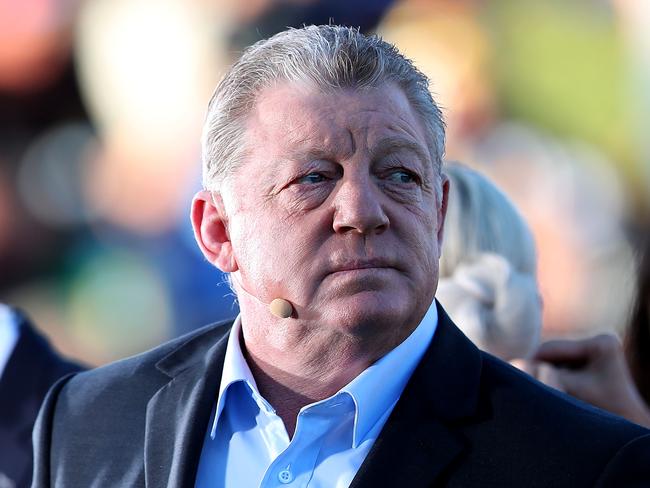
<point>442,209</point>
<point>211,230</point>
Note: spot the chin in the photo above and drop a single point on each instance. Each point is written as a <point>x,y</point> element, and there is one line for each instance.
<point>369,313</point>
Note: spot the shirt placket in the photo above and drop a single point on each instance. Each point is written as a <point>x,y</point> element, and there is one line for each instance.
<point>294,467</point>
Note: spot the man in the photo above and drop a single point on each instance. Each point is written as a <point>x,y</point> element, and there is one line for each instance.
<point>324,200</point>
<point>28,368</point>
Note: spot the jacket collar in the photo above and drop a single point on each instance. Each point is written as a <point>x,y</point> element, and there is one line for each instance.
<point>178,414</point>
<point>421,438</point>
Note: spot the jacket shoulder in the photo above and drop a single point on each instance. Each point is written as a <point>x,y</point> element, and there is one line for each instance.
<point>138,375</point>
<point>555,433</point>
<point>100,415</point>
<point>513,389</point>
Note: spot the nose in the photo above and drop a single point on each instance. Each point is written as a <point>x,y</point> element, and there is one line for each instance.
<point>358,208</point>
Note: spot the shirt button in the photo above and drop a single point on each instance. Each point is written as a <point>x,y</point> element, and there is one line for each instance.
<point>285,476</point>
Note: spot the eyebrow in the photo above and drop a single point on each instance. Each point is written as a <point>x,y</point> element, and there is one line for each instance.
<point>394,144</point>
<point>319,152</point>
<point>307,154</point>
<point>384,147</point>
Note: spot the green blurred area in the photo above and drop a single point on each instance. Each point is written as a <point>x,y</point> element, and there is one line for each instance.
<point>561,66</point>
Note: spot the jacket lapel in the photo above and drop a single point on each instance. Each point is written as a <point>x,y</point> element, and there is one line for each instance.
<point>178,414</point>
<point>409,454</point>
<point>421,438</point>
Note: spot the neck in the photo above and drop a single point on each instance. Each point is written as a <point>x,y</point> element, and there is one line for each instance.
<point>299,365</point>
<point>286,392</point>
<point>301,360</point>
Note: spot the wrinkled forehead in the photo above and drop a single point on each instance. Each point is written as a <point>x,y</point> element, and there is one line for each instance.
<point>291,117</point>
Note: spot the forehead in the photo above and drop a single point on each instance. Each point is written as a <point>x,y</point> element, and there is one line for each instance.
<point>290,116</point>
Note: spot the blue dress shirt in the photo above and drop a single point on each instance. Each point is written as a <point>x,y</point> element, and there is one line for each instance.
<point>247,445</point>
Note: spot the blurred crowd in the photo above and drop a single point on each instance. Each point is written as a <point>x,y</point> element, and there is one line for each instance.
<point>101,108</point>
<point>102,101</point>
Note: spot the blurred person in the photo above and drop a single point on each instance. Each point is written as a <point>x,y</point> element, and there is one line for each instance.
<point>575,206</point>
<point>28,368</point>
<point>488,267</point>
<point>325,200</point>
<point>593,370</point>
<point>596,370</point>
<point>637,339</point>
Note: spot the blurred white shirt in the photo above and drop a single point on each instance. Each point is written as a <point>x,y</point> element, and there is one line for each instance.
<point>8,335</point>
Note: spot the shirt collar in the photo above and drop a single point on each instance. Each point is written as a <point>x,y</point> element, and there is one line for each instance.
<point>377,389</point>
<point>374,391</point>
<point>235,369</point>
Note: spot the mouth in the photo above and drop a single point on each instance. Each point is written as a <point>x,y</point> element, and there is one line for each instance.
<point>362,265</point>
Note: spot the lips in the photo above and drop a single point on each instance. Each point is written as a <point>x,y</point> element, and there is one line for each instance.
<point>360,264</point>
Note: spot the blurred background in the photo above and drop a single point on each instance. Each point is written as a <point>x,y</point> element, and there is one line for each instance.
<point>101,106</point>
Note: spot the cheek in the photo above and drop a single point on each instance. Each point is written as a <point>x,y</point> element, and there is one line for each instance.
<point>423,223</point>
<point>431,223</point>
<point>249,236</point>
<point>423,239</point>
<point>265,247</point>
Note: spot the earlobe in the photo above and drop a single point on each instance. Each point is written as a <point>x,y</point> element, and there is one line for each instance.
<point>210,227</point>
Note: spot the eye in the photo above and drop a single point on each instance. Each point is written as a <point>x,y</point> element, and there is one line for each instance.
<point>311,178</point>
<point>402,176</point>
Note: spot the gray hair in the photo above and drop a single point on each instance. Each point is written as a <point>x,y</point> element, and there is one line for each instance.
<point>488,282</point>
<point>481,219</point>
<point>327,56</point>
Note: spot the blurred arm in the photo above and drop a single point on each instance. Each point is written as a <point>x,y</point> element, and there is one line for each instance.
<point>593,370</point>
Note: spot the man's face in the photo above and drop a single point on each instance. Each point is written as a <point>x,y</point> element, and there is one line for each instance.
<point>335,208</point>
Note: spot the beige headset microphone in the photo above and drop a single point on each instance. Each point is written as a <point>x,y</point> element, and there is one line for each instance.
<point>279,307</point>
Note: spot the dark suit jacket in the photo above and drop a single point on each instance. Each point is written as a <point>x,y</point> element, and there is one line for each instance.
<point>465,419</point>
<point>30,372</point>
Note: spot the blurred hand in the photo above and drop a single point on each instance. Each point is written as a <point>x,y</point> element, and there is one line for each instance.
<point>593,370</point>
